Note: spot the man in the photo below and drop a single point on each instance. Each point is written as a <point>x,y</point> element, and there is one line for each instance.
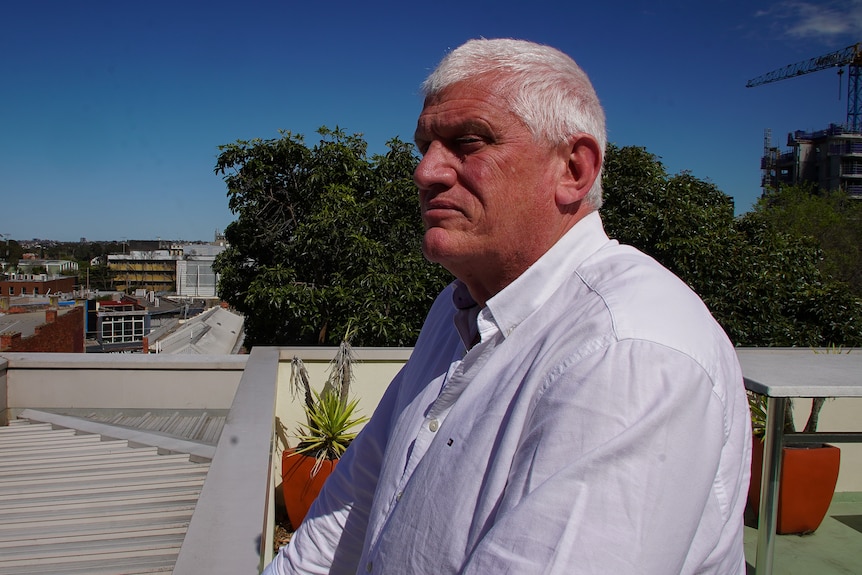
<point>570,405</point>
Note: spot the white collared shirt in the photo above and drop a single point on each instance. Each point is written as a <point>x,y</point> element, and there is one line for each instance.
<point>599,426</point>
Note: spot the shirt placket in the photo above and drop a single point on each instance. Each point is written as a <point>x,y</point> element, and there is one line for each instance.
<point>429,426</point>
<point>453,385</point>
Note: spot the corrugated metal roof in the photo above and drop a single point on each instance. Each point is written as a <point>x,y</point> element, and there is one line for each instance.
<point>73,502</point>
<point>204,427</point>
<point>214,332</point>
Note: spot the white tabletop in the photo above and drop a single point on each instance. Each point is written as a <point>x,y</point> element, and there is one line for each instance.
<point>800,372</point>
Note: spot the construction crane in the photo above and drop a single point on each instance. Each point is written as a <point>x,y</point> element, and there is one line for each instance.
<point>850,56</point>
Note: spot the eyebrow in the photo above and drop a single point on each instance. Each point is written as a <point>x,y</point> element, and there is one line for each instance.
<point>465,126</point>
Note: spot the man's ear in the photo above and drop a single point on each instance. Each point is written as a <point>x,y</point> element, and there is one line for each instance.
<point>583,166</point>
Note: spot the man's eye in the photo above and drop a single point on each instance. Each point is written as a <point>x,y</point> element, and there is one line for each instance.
<point>468,142</point>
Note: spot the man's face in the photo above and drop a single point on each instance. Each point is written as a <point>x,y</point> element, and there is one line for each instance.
<point>486,187</point>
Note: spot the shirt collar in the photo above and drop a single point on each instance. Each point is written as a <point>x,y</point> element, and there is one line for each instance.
<point>531,290</point>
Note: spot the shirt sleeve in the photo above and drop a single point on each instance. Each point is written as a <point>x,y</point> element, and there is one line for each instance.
<point>614,471</point>
<point>330,538</point>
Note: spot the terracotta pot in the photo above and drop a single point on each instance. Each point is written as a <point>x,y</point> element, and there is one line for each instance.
<point>808,478</point>
<point>299,487</point>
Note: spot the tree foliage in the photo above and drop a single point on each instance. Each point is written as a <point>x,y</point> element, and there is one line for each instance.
<point>12,251</point>
<point>830,217</point>
<point>325,238</point>
<point>762,282</point>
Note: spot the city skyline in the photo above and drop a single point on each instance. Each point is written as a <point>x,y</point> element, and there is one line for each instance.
<point>112,114</point>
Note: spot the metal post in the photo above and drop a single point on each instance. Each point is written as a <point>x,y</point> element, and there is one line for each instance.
<point>854,98</point>
<point>769,485</point>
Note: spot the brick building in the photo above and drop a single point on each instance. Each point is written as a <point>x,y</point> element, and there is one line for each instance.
<point>61,333</point>
<point>36,284</point>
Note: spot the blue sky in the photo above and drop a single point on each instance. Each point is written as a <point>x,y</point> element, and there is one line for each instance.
<point>111,113</point>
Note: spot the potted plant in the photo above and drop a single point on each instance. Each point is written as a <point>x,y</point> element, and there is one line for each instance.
<point>809,472</point>
<point>324,436</point>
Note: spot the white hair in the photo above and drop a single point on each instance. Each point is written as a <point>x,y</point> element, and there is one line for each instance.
<point>548,91</point>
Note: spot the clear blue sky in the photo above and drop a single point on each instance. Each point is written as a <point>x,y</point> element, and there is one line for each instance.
<point>111,112</point>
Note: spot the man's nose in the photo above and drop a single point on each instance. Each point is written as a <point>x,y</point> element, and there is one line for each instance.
<point>435,169</point>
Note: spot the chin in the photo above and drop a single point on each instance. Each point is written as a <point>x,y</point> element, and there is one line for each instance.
<point>431,254</point>
<point>437,246</point>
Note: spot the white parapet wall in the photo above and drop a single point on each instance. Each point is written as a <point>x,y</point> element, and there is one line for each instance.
<point>121,381</point>
<point>838,415</point>
<point>374,370</point>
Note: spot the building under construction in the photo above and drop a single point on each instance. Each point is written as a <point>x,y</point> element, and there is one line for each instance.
<point>831,159</point>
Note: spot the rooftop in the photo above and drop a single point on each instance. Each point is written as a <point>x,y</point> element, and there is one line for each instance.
<point>25,323</point>
<point>834,549</point>
<point>110,507</point>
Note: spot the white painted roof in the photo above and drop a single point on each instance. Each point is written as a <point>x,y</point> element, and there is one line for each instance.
<point>216,331</point>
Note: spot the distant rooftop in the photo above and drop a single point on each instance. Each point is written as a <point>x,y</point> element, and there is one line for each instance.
<point>25,323</point>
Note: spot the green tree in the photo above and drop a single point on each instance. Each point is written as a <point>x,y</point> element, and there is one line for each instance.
<point>325,238</point>
<point>782,297</point>
<point>683,222</point>
<point>97,277</point>
<point>14,251</point>
<point>830,217</point>
<point>762,284</point>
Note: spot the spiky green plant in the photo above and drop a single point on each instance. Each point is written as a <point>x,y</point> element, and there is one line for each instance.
<point>327,433</point>
<point>330,414</point>
<point>757,406</point>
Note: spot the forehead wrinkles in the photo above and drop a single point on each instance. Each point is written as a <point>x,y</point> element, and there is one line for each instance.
<point>469,109</point>
<point>445,122</point>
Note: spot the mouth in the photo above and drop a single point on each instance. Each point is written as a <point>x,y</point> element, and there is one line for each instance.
<point>437,202</point>
<point>439,208</point>
<point>436,211</point>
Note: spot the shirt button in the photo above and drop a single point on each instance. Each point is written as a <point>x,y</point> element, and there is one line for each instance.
<point>369,566</point>
<point>398,496</point>
<point>433,425</point>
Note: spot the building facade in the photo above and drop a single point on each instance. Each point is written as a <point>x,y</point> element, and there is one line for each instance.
<point>195,275</point>
<point>184,269</point>
<point>121,325</point>
<point>831,159</point>
<point>154,271</point>
<point>36,284</point>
